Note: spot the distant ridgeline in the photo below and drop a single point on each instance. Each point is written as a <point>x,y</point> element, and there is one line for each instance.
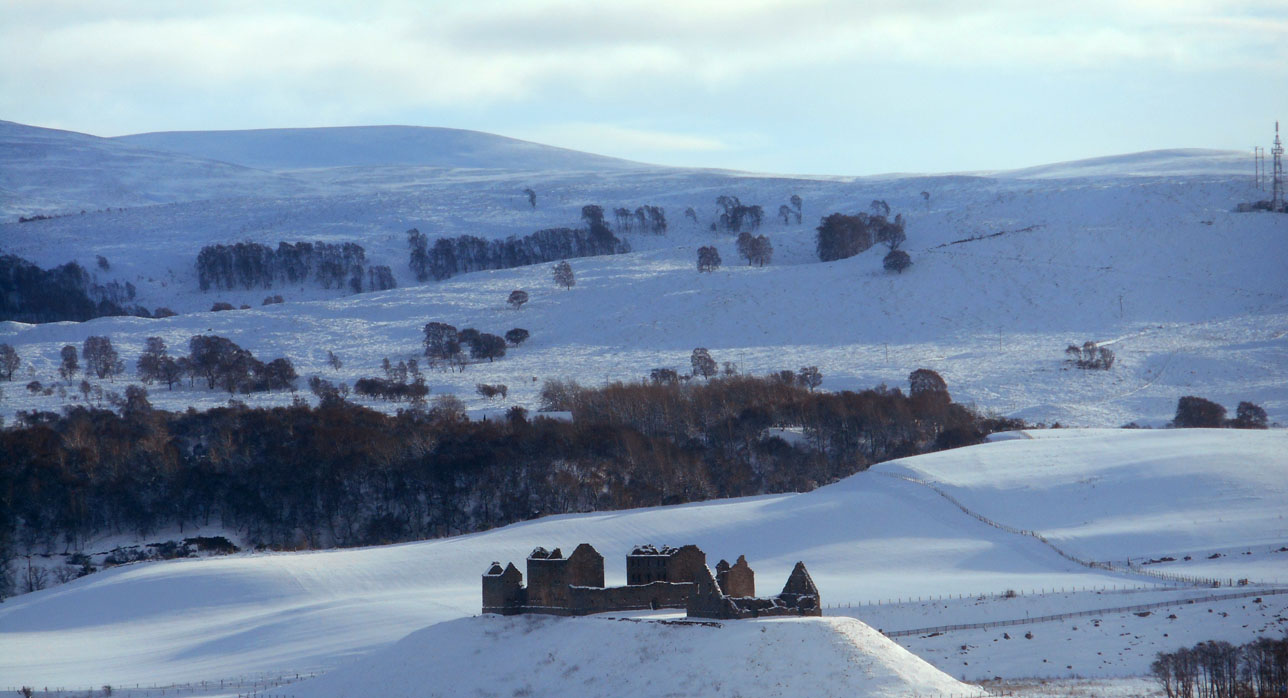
<point>448,257</point>
<point>252,265</point>
<point>68,292</point>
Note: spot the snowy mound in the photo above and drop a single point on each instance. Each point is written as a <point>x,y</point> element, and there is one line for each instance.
<point>1177,161</point>
<point>300,148</point>
<point>600,656</point>
<point>58,172</point>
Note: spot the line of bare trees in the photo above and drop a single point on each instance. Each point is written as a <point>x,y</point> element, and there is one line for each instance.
<point>1216,669</point>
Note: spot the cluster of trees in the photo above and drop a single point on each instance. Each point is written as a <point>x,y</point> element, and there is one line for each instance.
<point>68,292</point>
<point>402,382</point>
<point>252,265</point>
<point>735,217</point>
<point>342,474</point>
<point>708,258</point>
<point>221,363</point>
<point>645,219</point>
<point>448,257</point>
<point>1197,412</point>
<point>1216,669</point>
<point>446,346</point>
<point>756,249</point>
<point>729,412</point>
<point>841,236</point>
<point>1089,356</point>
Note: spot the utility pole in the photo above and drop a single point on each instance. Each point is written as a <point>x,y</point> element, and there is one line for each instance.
<point>1277,183</point>
<point>1256,163</point>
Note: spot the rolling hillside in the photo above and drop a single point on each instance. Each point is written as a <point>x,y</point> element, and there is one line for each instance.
<point>1006,273</point>
<point>868,538</point>
<point>371,146</point>
<point>51,172</point>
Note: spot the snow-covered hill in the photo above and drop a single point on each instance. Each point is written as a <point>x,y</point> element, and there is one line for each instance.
<point>371,146</point>
<point>1153,163</point>
<point>544,656</point>
<point>1006,273</point>
<point>869,538</point>
<point>51,172</point>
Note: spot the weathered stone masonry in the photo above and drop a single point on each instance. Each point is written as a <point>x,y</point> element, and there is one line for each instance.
<point>656,578</point>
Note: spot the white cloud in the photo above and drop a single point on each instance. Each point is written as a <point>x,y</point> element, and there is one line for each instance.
<point>132,65</point>
<point>409,53</point>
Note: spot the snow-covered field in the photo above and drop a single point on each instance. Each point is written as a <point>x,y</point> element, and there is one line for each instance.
<point>1141,253</point>
<point>1190,296</point>
<point>866,539</point>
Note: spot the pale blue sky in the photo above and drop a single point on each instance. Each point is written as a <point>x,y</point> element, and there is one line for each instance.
<point>816,86</point>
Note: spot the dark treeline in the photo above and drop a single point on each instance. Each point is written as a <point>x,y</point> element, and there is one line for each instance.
<point>447,257</point>
<point>68,292</point>
<point>1215,669</point>
<point>341,474</point>
<point>252,265</point>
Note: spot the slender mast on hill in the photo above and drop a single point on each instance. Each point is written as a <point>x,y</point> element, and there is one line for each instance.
<point>1277,197</point>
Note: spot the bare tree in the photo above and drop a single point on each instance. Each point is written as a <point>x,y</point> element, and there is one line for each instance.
<point>563,275</point>
<point>532,197</point>
<point>924,380</point>
<point>101,358</point>
<point>896,260</point>
<point>761,251</point>
<point>744,244</point>
<point>487,346</point>
<point>68,367</point>
<point>441,341</point>
<point>708,259</point>
<point>517,298</point>
<point>516,336</point>
<point>9,361</point>
<point>702,363</point>
<point>149,364</point>
<point>809,377</point>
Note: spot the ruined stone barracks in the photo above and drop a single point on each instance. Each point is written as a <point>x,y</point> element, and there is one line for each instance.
<point>655,578</point>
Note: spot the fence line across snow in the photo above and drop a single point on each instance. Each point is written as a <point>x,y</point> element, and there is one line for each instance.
<point>1165,576</point>
<point>1077,614</point>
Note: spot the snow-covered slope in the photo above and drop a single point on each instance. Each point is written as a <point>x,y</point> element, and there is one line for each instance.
<point>1124,495</point>
<point>871,537</point>
<point>47,171</point>
<point>544,656</point>
<point>1006,273</point>
<point>1175,162</point>
<point>367,146</point>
